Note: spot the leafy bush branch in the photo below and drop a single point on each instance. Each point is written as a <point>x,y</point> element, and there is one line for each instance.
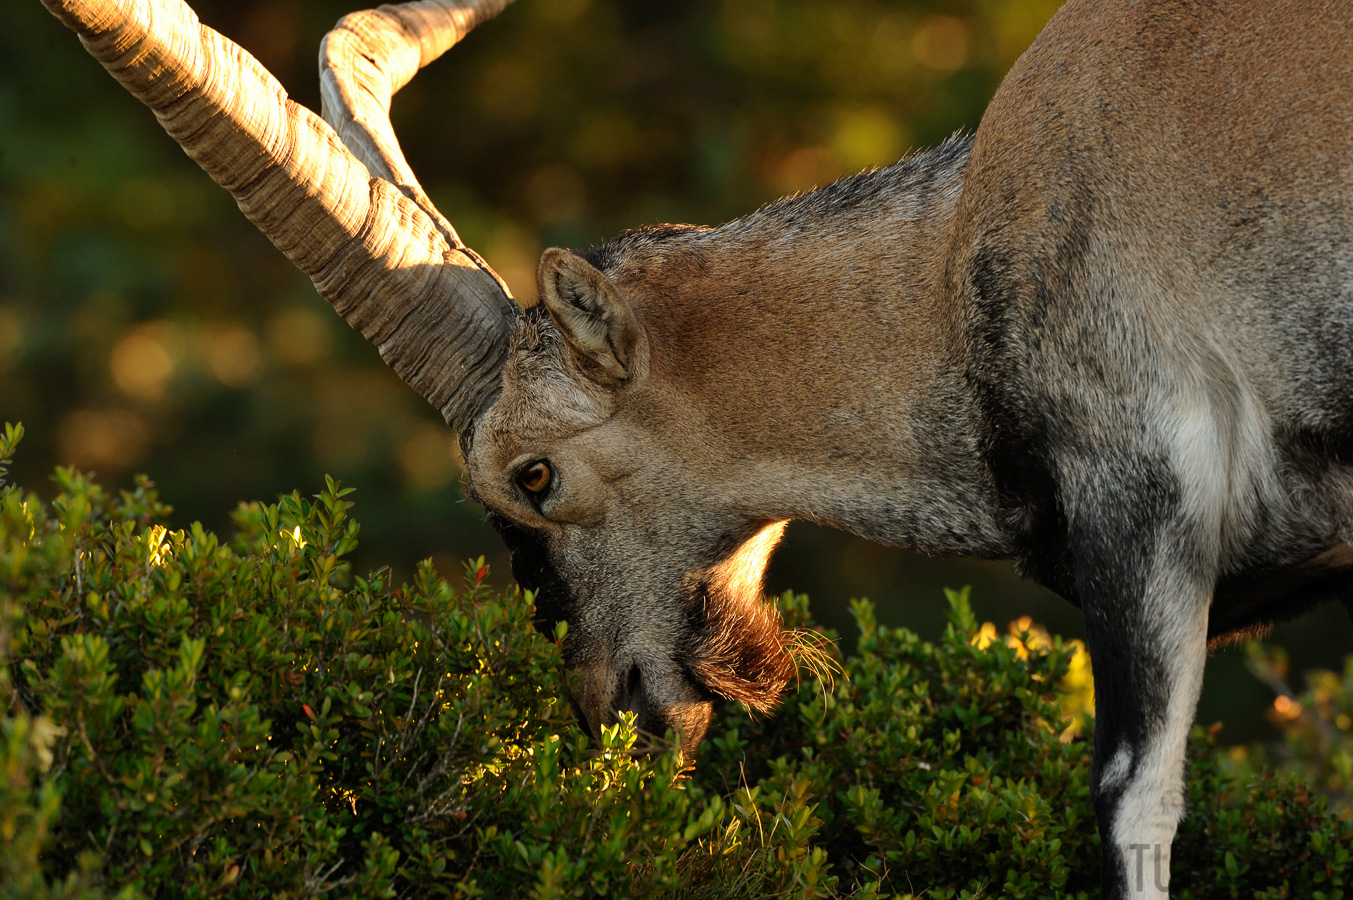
<point>185,716</point>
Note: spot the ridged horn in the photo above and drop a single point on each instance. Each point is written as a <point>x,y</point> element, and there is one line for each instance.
<point>359,225</point>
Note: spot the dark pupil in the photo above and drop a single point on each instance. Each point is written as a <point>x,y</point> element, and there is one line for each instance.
<point>536,477</point>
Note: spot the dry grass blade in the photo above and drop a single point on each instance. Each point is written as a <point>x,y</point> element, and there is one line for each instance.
<point>817,653</point>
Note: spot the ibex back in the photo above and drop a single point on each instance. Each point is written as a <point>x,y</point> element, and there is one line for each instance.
<point>1110,335</point>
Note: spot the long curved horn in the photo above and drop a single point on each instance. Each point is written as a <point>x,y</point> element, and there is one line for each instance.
<point>362,229</point>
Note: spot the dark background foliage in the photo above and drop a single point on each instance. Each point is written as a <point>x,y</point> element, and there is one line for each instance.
<point>146,327</point>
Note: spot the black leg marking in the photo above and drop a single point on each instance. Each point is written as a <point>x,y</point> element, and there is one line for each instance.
<point>1145,591</point>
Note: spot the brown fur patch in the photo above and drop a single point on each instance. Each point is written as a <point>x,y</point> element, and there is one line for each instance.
<point>743,649</point>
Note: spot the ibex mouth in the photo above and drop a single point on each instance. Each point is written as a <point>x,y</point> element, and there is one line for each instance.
<point>687,719</point>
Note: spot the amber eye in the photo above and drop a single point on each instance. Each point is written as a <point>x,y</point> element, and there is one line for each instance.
<point>536,477</point>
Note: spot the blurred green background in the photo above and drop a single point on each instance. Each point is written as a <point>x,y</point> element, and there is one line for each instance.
<point>146,327</point>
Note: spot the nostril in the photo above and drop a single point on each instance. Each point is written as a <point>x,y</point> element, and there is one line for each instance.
<point>634,692</point>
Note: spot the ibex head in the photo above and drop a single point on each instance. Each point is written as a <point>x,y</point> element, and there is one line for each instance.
<point>578,432</point>
<point>596,468</point>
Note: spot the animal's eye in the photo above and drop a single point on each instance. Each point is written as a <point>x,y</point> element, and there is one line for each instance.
<point>535,478</point>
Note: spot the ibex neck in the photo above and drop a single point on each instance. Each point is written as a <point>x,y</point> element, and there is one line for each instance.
<point>813,340</point>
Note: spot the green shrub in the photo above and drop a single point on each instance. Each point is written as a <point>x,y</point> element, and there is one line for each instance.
<point>190,718</point>
<point>1315,724</point>
<point>939,767</point>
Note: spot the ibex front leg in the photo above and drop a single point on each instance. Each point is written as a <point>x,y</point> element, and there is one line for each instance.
<point>1143,573</point>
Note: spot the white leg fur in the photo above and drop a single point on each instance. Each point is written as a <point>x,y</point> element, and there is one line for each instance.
<point>1152,802</point>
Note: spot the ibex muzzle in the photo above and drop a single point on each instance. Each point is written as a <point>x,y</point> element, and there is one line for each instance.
<point>1110,336</point>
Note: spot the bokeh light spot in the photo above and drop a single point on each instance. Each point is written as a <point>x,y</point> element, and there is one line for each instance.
<point>299,336</point>
<point>141,364</point>
<point>1286,708</point>
<point>102,439</point>
<point>942,43</point>
<point>428,456</point>
<point>867,136</point>
<point>234,356</point>
<point>802,170</point>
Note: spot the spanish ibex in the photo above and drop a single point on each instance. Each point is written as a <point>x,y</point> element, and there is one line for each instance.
<point>1109,335</point>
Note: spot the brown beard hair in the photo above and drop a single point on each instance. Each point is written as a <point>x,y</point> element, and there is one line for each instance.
<point>741,648</point>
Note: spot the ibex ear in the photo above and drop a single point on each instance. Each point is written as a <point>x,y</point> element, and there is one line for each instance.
<point>598,324</point>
